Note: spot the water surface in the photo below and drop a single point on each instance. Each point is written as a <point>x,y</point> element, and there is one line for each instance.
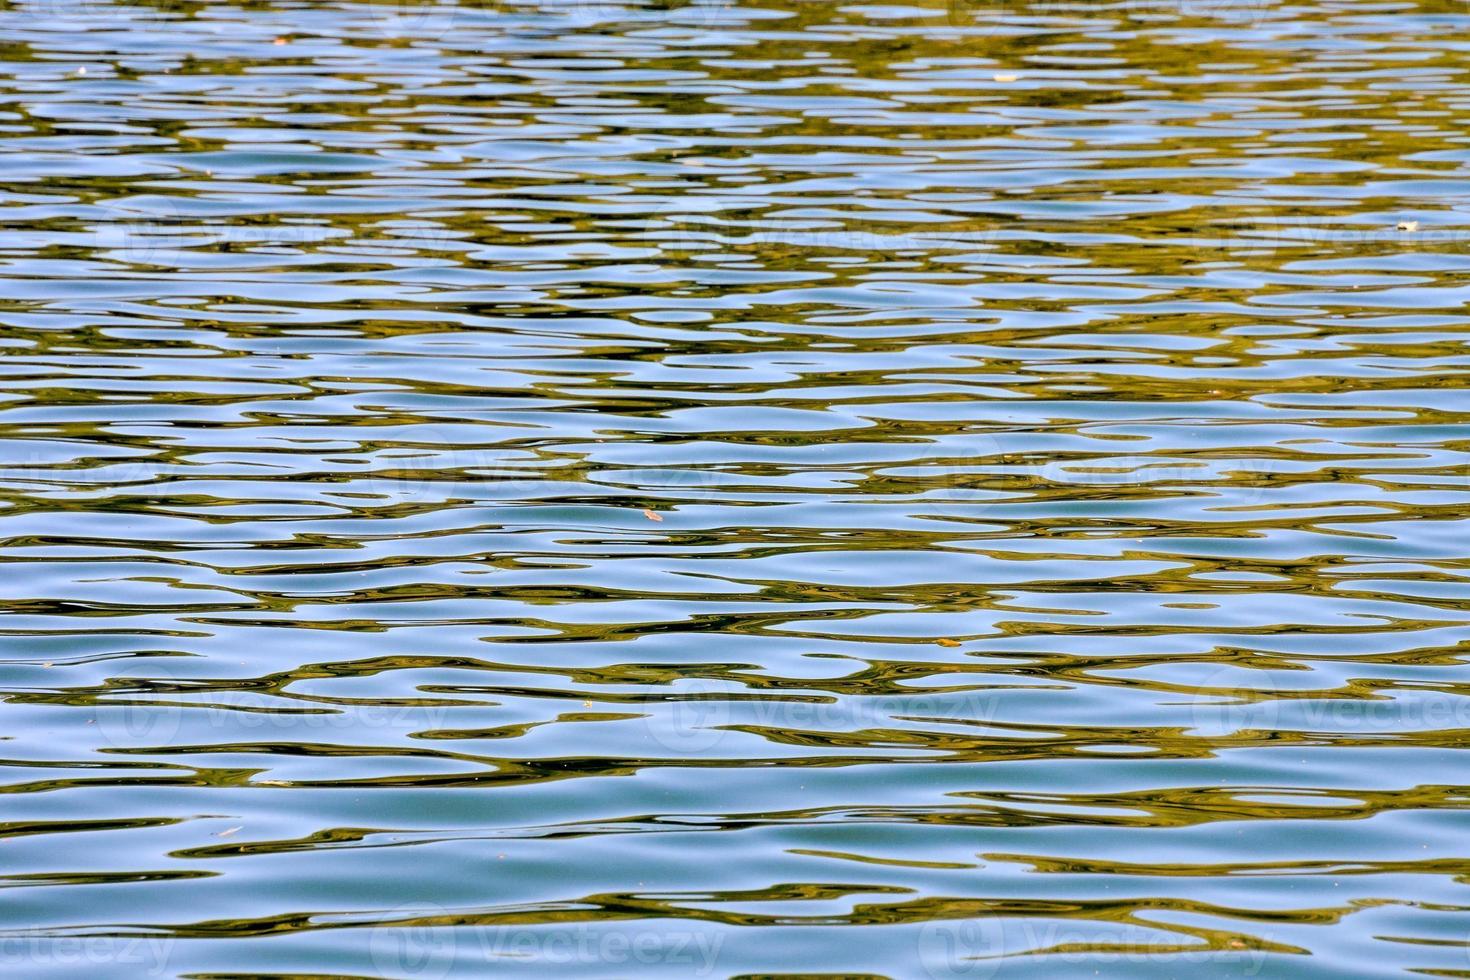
<point>730,490</point>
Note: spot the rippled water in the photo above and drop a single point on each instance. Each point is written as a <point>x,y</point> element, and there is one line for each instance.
<point>729,490</point>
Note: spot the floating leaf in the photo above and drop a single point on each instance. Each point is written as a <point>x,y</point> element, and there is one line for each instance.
<point>652,515</point>
<point>946,642</point>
